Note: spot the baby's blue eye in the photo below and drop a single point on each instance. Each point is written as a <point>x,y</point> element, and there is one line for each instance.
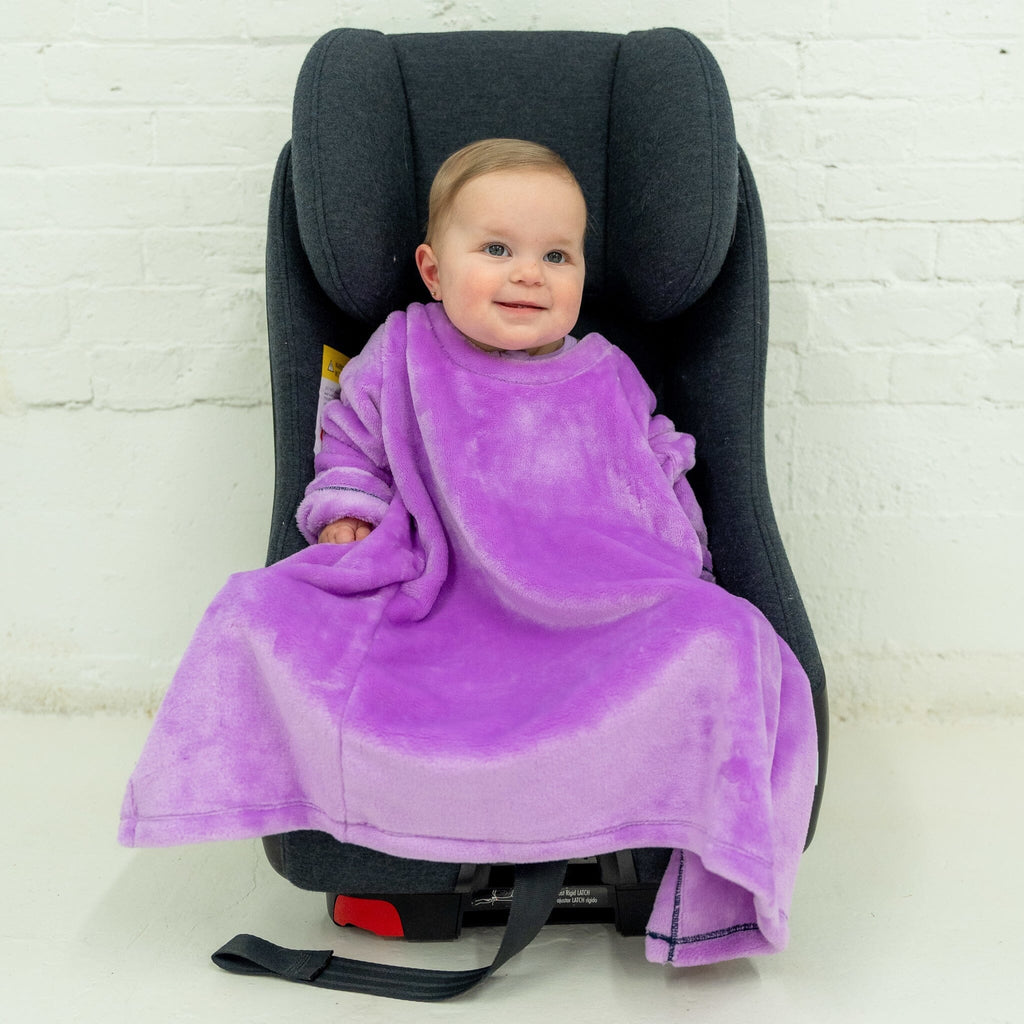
<point>496,249</point>
<point>555,257</point>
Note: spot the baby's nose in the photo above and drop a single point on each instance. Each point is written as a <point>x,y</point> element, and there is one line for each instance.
<point>527,269</point>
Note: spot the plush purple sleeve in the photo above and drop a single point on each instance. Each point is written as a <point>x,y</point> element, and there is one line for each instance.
<point>352,477</point>
<point>675,452</point>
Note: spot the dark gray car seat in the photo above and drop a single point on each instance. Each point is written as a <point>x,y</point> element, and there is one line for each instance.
<point>676,276</point>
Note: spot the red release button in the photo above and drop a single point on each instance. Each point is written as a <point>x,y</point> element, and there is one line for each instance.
<point>377,916</point>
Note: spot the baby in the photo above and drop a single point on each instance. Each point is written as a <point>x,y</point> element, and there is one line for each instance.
<point>503,254</point>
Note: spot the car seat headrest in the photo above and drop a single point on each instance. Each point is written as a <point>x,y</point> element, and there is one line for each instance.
<point>643,120</point>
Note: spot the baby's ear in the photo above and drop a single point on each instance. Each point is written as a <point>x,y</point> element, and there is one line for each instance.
<point>426,264</point>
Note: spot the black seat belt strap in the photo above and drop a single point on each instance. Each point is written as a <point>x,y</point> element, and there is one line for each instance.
<point>536,890</point>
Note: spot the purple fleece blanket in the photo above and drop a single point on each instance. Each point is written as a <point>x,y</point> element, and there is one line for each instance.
<point>526,660</point>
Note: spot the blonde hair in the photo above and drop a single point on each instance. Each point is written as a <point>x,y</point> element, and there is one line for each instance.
<point>486,157</point>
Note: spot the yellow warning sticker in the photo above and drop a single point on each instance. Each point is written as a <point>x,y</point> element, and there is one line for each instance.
<point>333,363</point>
<point>330,387</point>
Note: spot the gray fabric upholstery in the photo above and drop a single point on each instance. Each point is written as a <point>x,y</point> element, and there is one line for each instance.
<point>353,179</point>
<point>671,121</point>
<point>375,115</point>
<point>318,862</point>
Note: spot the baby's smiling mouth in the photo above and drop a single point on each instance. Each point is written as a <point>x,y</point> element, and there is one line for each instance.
<point>519,305</point>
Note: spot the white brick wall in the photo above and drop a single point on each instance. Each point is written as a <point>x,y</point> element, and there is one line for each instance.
<point>137,141</point>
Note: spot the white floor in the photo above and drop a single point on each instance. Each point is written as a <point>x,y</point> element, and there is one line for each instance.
<point>910,905</point>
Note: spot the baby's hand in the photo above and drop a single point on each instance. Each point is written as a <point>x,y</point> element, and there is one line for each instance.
<point>344,531</point>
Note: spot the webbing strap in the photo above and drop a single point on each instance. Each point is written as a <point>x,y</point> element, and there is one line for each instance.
<point>536,889</point>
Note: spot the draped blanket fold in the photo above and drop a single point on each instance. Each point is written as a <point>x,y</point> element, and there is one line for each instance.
<point>526,660</point>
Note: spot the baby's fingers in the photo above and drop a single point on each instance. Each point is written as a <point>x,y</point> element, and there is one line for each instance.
<point>344,531</point>
<point>337,533</point>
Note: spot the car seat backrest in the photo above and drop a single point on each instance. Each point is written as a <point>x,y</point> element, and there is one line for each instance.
<point>644,121</point>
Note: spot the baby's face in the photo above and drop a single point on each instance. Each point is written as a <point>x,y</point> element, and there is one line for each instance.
<point>508,265</point>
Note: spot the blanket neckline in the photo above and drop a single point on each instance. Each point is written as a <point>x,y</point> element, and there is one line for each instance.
<point>558,366</point>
